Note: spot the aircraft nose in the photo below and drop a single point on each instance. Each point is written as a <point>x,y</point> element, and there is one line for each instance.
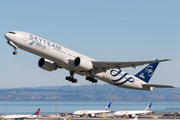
<point>10,35</point>
<point>7,36</point>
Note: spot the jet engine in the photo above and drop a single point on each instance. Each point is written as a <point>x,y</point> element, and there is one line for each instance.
<point>83,64</point>
<point>132,115</point>
<point>46,64</point>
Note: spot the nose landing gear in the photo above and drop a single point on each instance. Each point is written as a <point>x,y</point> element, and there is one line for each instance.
<point>15,52</point>
<point>14,46</point>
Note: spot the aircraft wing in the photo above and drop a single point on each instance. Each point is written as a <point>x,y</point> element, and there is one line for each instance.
<point>157,86</point>
<point>103,66</point>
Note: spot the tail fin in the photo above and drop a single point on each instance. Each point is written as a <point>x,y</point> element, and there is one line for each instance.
<point>37,112</point>
<point>148,108</point>
<point>146,73</point>
<point>107,108</point>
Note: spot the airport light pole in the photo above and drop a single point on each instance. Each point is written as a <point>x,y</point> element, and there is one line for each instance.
<point>173,105</point>
<point>172,101</point>
<point>126,101</point>
<point>5,102</point>
<point>56,102</point>
<point>111,101</point>
<point>84,101</point>
<point>49,103</point>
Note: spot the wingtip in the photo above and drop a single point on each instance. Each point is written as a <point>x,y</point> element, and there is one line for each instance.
<point>163,60</point>
<point>167,59</point>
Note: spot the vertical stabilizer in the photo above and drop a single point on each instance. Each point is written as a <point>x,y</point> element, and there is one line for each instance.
<point>148,108</point>
<point>146,73</point>
<point>37,112</point>
<point>107,108</point>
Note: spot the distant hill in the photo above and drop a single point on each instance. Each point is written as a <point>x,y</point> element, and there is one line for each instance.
<point>92,92</point>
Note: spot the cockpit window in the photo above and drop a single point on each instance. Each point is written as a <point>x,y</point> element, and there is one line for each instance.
<point>12,32</point>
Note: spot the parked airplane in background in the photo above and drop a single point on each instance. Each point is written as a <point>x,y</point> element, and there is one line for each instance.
<point>54,56</point>
<point>134,113</point>
<point>92,113</point>
<point>21,116</point>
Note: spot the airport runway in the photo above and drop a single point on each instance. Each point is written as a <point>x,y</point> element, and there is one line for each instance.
<point>69,117</point>
<point>95,119</point>
<point>66,118</point>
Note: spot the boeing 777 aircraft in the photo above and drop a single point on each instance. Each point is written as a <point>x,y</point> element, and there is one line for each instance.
<point>21,116</point>
<point>135,112</point>
<point>55,56</point>
<point>92,113</point>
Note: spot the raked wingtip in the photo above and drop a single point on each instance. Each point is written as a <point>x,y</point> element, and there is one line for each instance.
<point>167,59</point>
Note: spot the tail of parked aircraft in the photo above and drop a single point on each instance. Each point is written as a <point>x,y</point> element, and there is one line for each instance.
<point>146,73</point>
<point>37,112</point>
<point>107,108</point>
<point>148,108</point>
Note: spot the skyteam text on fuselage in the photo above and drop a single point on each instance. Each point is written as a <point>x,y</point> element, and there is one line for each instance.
<point>55,56</point>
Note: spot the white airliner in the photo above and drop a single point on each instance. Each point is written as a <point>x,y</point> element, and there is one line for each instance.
<point>54,56</point>
<point>134,113</point>
<point>92,113</point>
<point>21,116</point>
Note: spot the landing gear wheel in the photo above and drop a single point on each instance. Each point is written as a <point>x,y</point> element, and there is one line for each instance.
<point>91,79</point>
<point>74,81</point>
<point>15,53</point>
<point>87,78</point>
<point>94,81</point>
<point>67,78</point>
<point>71,77</point>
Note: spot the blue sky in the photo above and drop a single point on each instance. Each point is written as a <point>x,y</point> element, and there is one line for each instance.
<point>102,29</point>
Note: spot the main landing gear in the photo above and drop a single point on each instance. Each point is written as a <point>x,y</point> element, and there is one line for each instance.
<point>71,77</point>
<point>91,79</point>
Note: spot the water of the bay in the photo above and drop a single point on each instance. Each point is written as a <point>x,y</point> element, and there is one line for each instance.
<point>29,107</point>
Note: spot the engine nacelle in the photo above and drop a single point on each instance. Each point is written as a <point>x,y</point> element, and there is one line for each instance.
<point>83,64</point>
<point>132,115</point>
<point>46,64</point>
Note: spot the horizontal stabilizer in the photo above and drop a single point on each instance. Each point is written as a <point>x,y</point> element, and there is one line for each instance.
<point>157,86</point>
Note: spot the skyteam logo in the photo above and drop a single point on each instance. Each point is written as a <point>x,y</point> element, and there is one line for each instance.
<point>31,43</point>
<point>149,70</point>
<point>124,77</point>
